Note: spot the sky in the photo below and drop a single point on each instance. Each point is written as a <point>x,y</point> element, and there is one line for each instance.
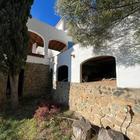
<point>44,10</point>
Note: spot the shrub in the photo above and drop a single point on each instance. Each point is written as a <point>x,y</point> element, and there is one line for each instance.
<point>46,110</point>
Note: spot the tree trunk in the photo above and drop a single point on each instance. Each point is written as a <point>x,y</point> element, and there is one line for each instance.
<point>14,90</point>
<point>3,83</point>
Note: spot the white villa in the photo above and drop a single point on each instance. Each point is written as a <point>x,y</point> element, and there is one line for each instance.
<point>100,83</point>
<point>73,63</point>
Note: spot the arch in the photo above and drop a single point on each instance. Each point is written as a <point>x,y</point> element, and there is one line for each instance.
<point>62,73</point>
<point>56,45</point>
<point>39,34</point>
<point>98,68</point>
<point>34,37</point>
<point>36,44</point>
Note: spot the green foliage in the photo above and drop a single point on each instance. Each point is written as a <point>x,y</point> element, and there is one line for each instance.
<point>13,34</point>
<point>90,21</point>
<point>21,125</point>
<point>18,130</point>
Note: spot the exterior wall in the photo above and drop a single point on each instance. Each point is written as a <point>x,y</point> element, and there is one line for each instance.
<point>123,46</point>
<point>60,25</point>
<point>103,102</point>
<point>128,76</point>
<point>36,79</point>
<point>40,50</point>
<point>36,60</point>
<point>61,94</point>
<point>52,56</point>
<point>65,58</point>
<point>48,33</point>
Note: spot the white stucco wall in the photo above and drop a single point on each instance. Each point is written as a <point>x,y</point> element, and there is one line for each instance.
<point>65,58</point>
<point>127,76</point>
<point>40,50</point>
<point>37,60</point>
<point>73,58</point>
<point>47,33</point>
<point>52,58</point>
<point>122,46</point>
<point>60,25</point>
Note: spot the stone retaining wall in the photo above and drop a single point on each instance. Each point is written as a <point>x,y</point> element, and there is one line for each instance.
<point>36,79</point>
<point>104,104</point>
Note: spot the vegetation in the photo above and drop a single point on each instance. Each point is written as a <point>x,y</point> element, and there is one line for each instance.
<point>90,21</point>
<point>35,120</point>
<point>13,40</point>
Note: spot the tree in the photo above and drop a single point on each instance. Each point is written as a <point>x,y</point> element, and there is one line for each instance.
<point>13,40</point>
<point>90,21</point>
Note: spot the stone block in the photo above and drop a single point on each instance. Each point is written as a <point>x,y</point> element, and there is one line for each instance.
<point>81,130</point>
<point>109,134</point>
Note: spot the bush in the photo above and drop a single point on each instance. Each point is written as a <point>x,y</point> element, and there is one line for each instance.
<point>46,110</point>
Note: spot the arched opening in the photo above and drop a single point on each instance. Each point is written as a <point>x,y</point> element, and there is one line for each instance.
<point>62,73</point>
<point>36,45</point>
<point>57,45</point>
<point>99,68</point>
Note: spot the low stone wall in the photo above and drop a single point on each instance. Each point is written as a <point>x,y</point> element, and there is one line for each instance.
<point>61,93</point>
<point>104,104</point>
<point>36,79</point>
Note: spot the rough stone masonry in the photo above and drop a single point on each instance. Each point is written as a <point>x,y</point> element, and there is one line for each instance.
<point>104,104</point>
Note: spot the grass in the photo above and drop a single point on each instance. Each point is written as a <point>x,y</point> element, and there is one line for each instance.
<point>18,130</point>
<point>55,129</point>
<point>21,125</point>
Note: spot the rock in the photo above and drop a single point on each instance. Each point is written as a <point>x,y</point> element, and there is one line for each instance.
<point>109,134</point>
<point>81,130</point>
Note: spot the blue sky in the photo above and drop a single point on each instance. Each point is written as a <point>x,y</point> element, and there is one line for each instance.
<point>44,11</point>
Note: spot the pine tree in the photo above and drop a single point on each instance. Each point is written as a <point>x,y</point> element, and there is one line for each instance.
<point>90,21</point>
<point>13,40</point>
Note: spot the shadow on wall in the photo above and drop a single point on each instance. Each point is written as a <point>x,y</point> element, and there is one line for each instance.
<point>61,93</point>
<point>63,76</point>
<point>123,44</point>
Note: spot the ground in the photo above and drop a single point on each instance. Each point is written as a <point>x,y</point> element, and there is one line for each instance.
<point>23,124</point>
<point>37,119</point>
